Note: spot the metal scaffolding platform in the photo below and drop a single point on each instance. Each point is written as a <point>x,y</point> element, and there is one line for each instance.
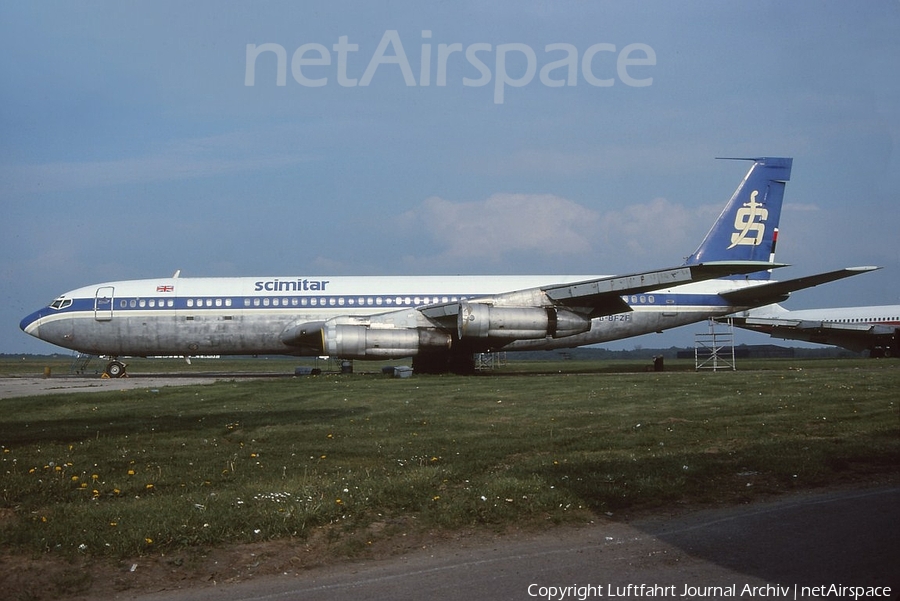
<point>489,361</point>
<point>714,349</point>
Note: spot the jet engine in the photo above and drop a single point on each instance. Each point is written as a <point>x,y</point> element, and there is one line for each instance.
<point>478,320</point>
<point>351,341</point>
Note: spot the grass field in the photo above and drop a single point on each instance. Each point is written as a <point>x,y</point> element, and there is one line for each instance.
<point>366,457</point>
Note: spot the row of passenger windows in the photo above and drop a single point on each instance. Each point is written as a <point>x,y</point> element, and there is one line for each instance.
<point>141,303</point>
<point>872,320</point>
<point>346,301</point>
<point>330,301</point>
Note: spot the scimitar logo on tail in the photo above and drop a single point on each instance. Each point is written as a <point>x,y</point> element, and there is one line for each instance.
<point>746,223</point>
<point>439,321</point>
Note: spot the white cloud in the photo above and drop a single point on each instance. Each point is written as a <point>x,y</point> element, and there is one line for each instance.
<point>504,226</point>
<point>507,223</point>
<point>659,228</point>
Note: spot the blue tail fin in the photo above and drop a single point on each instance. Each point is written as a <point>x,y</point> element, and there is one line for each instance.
<point>747,229</point>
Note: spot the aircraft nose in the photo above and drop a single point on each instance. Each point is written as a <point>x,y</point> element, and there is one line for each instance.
<point>31,324</point>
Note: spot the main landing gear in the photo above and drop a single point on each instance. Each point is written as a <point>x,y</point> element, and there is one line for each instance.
<point>114,369</point>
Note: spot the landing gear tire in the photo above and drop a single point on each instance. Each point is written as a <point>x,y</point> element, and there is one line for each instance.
<point>115,369</point>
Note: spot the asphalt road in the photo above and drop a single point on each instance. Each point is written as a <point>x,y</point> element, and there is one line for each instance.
<point>11,387</point>
<point>836,539</point>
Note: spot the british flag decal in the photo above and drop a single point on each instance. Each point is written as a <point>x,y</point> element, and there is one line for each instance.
<point>165,288</point>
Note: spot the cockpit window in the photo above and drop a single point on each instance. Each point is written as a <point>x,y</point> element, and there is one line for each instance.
<point>61,303</point>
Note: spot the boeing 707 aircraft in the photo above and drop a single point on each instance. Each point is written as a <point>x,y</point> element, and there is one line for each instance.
<point>439,321</point>
<point>873,329</point>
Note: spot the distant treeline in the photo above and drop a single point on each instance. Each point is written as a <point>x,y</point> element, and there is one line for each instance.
<point>741,351</point>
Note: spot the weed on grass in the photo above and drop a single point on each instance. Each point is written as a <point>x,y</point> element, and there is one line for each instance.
<point>121,474</point>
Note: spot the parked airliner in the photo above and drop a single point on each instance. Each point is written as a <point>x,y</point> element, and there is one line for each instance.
<point>439,321</point>
<point>874,329</point>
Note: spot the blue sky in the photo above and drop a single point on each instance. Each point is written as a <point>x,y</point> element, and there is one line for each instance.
<point>132,146</point>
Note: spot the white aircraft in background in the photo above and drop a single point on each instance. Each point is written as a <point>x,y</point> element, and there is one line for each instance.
<point>874,329</point>
<point>439,321</point>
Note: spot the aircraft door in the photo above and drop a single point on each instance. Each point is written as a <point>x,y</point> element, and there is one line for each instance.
<point>103,303</point>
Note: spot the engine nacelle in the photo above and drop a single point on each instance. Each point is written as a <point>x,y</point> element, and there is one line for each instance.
<point>478,320</point>
<point>351,341</point>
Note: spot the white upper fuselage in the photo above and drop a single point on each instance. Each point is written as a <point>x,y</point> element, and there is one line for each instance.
<point>882,314</point>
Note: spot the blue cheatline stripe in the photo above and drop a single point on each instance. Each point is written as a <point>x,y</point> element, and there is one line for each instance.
<point>245,303</point>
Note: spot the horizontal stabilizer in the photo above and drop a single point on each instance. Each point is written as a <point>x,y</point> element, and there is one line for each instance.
<point>773,292</point>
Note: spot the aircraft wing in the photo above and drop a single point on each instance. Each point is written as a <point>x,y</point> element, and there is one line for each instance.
<point>555,310</point>
<point>774,292</point>
<point>603,296</point>
<point>853,336</point>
